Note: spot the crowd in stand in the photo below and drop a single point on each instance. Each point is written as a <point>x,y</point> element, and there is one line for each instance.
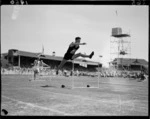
<point>125,74</point>
<point>24,71</point>
<point>67,72</point>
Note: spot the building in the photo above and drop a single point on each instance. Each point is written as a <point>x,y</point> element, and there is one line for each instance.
<point>26,59</point>
<point>129,64</point>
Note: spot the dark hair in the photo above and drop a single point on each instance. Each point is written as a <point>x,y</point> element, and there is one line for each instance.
<point>77,38</point>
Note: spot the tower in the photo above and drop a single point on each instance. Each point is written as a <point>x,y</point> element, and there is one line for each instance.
<point>120,48</point>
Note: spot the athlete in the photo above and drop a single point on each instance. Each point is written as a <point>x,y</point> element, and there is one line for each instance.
<point>37,65</point>
<point>70,54</point>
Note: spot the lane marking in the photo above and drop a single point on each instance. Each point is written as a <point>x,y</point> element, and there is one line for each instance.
<point>34,105</point>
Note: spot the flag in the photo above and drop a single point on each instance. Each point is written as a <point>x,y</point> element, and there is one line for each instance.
<point>42,50</point>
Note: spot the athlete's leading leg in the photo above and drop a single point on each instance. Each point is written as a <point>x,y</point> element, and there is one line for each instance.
<point>82,55</point>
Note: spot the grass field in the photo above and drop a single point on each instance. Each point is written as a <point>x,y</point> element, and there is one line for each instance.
<point>114,97</point>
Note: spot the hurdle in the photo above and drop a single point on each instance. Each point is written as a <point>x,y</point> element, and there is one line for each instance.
<point>72,74</point>
<point>73,79</point>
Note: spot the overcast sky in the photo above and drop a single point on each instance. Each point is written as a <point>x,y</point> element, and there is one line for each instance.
<point>26,28</point>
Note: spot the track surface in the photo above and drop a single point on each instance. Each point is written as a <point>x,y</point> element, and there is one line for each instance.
<point>114,97</point>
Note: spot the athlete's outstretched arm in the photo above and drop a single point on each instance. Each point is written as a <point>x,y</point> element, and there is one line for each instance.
<point>73,43</point>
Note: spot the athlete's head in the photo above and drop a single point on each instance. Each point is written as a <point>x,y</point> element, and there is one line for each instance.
<point>77,39</point>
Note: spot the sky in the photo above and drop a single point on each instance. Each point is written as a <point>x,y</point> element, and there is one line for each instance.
<point>27,28</point>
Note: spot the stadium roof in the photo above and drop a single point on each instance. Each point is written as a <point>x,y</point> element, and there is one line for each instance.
<point>130,61</point>
<point>50,57</point>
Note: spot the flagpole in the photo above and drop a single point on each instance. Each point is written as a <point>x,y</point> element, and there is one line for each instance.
<point>117,19</point>
<point>19,59</point>
<point>42,50</point>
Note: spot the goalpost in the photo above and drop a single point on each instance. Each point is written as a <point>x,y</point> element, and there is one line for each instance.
<point>92,82</point>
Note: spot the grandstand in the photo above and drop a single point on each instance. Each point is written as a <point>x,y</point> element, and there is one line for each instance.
<point>25,59</point>
<point>129,64</point>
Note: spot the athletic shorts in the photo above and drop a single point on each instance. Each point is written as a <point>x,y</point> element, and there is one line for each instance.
<point>36,70</point>
<point>68,56</point>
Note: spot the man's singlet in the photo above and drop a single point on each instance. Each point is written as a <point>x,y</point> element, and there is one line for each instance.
<point>72,48</point>
<point>68,55</point>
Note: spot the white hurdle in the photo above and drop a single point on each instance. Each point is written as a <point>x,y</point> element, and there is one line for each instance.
<point>73,78</point>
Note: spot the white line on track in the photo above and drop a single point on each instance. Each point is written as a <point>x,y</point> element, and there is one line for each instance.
<point>81,97</point>
<point>94,100</point>
<point>34,105</point>
<point>84,98</point>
